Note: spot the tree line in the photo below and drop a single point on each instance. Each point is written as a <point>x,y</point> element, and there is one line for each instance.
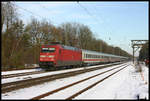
<point>144,52</point>
<point>21,42</point>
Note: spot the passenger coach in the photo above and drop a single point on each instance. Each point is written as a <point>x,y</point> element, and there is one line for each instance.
<point>92,57</point>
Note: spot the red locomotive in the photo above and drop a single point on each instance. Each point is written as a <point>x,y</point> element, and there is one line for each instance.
<point>57,55</point>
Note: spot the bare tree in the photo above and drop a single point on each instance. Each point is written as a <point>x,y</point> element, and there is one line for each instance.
<point>9,15</point>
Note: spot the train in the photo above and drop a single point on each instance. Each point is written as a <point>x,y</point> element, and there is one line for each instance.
<point>58,55</point>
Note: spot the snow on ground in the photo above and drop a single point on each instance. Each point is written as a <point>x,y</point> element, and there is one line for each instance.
<point>19,71</point>
<point>64,94</point>
<point>28,93</point>
<point>7,80</point>
<point>36,69</point>
<point>127,84</point>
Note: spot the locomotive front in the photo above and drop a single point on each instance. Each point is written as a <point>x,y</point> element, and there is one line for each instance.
<point>48,55</point>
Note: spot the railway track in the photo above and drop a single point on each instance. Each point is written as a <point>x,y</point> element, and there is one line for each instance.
<point>7,87</point>
<point>78,82</point>
<point>26,73</point>
<point>21,74</point>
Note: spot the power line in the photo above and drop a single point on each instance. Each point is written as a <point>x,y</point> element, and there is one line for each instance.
<point>29,11</point>
<point>110,28</point>
<point>34,14</point>
<point>91,15</point>
<point>47,8</point>
<point>88,12</point>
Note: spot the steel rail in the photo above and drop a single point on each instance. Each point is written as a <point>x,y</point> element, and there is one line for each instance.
<point>7,87</point>
<point>21,74</point>
<point>67,86</point>
<point>85,89</point>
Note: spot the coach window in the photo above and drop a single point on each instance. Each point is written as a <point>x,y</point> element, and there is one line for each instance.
<point>47,50</point>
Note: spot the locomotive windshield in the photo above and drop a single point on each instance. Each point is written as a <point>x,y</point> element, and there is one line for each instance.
<point>47,50</point>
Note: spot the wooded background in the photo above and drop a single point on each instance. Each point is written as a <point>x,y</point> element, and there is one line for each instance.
<point>21,43</point>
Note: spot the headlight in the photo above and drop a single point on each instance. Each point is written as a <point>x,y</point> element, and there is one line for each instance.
<point>42,56</point>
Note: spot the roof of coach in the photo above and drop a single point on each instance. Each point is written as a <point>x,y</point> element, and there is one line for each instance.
<point>100,53</point>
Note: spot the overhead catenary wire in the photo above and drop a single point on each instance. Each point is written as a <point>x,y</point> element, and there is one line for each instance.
<point>109,38</point>
<point>34,14</point>
<point>48,9</point>
<point>29,11</point>
<point>88,12</point>
<point>22,34</point>
<point>91,16</point>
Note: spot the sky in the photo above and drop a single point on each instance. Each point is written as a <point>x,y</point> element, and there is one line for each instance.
<point>116,23</point>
